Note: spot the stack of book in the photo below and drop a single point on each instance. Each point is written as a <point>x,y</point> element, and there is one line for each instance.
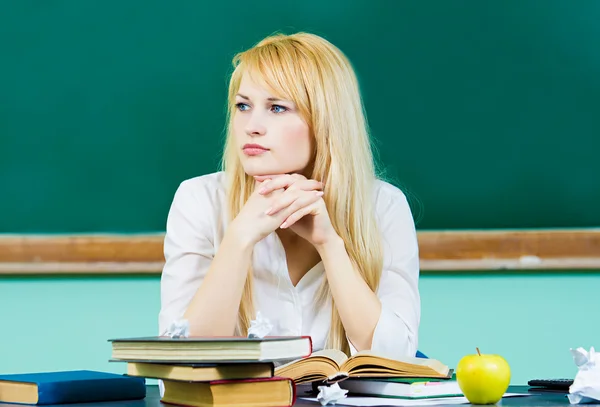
<point>236,371</point>
<point>232,371</point>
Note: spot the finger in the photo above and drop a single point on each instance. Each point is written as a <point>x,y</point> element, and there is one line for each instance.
<point>306,199</point>
<point>285,200</point>
<point>257,185</point>
<point>299,214</point>
<point>293,201</point>
<point>289,183</point>
<point>304,185</point>
<point>283,181</point>
<point>262,178</point>
<point>260,184</point>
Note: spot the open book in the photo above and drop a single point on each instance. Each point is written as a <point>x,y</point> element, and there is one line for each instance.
<point>333,365</point>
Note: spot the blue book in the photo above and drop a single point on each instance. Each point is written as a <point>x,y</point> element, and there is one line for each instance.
<point>79,386</point>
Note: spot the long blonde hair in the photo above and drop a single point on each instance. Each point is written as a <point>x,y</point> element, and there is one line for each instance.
<point>319,79</point>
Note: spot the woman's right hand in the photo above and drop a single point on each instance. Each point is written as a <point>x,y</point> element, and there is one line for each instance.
<point>253,224</point>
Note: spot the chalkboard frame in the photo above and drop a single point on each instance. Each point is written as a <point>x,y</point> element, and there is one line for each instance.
<point>451,251</point>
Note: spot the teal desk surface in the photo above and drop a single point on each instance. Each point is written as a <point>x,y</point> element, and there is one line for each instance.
<point>538,399</point>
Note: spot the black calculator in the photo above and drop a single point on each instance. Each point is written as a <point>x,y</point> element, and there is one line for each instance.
<point>551,384</point>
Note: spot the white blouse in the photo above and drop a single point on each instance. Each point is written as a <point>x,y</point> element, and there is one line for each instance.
<point>195,228</point>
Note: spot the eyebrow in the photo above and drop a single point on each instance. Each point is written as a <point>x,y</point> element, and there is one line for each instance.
<point>269,99</point>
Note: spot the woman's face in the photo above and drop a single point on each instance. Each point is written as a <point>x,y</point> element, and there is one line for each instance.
<point>271,136</point>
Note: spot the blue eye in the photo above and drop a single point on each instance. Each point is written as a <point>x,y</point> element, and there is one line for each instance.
<point>242,107</point>
<point>278,109</point>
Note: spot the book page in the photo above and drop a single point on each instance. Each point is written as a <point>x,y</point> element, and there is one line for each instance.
<point>338,357</point>
<point>407,359</point>
<point>367,362</point>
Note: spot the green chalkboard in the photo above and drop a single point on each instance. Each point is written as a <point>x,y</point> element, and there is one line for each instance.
<point>486,112</point>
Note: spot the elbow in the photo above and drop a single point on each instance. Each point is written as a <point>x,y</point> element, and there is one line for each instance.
<point>394,336</point>
<point>360,344</point>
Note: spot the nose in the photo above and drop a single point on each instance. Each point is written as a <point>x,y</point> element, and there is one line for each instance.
<point>256,124</point>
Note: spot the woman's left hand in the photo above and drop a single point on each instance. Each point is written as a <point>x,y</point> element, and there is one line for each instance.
<point>312,222</point>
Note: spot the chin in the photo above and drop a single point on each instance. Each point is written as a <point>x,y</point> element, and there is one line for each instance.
<point>254,169</point>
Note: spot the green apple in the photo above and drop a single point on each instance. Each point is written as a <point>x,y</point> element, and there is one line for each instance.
<point>483,379</point>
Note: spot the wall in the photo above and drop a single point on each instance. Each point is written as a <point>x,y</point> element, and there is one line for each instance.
<point>532,320</point>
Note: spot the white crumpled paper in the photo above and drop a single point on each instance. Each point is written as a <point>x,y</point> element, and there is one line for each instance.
<point>179,329</point>
<point>331,394</point>
<point>259,327</point>
<point>586,385</point>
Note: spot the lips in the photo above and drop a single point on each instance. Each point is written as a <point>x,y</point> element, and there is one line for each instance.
<point>254,149</point>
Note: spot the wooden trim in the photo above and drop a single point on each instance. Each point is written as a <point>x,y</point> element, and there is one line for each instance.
<point>81,248</point>
<point>488,265</point>
<point>440,251</point>
<point>79,268</point>
<point>559,249</point>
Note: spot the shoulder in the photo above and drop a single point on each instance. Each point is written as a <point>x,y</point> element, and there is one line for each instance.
<point>200,198</point>
<point>203,186</point>
<point>390,200</point>
<point>394,214</point>
<point>202,191</point>
<point>398,231</point>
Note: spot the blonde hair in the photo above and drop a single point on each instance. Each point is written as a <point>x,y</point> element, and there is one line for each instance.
<point>319,79</point>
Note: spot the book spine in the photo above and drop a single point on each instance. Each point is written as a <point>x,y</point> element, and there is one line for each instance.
<point>310,345</point>
<point>272,369</point>
<point>294,392</point>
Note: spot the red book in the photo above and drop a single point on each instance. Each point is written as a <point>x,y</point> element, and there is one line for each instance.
<point>265,392</point>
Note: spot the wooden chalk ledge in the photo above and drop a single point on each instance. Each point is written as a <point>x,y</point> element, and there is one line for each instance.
<point>440,251</point>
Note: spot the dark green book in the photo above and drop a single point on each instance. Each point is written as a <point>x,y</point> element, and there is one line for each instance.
<point>402,387</point>
<point>210,349</point>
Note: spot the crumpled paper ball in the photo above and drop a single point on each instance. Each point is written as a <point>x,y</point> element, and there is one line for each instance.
<point>259,327</point>
<point>179,329</point>
<point>331,394</point>
<point>586,385</point>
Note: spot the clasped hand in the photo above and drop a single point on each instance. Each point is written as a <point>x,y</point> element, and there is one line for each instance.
<point>286,201</point>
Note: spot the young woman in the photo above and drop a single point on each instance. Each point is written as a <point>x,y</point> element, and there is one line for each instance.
<point>297,225</point>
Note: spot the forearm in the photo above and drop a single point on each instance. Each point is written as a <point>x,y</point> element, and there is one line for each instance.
<point>213,310</point>
<point>358,306</point>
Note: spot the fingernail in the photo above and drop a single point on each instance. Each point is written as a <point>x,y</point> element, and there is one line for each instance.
<point>320,193</point>
<point>268,211</point>
<point>283,225</point>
